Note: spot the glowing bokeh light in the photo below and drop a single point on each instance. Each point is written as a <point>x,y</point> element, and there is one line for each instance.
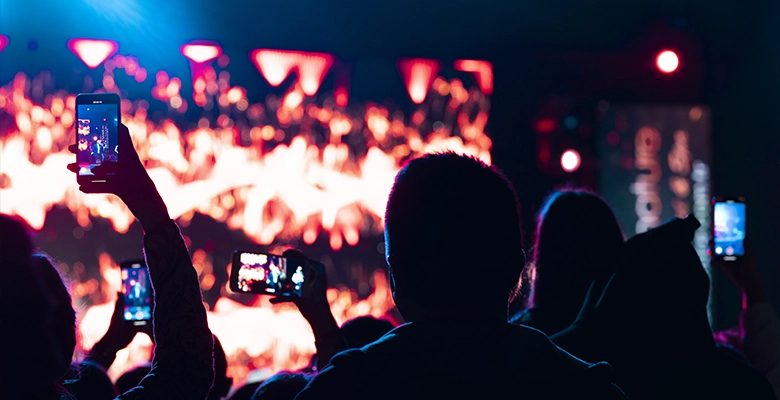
<point>667,61</point>
<point>276,66</point>
<point>418,74</point>
<point>201,53</point>
<point>483,71</point>
<point>93,51</point>
<point>570,160</point>
<point>3,42</point>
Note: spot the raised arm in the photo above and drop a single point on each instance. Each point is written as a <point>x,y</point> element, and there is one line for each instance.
<point>182,367</point>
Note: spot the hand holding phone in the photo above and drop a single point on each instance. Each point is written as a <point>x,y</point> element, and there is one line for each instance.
<point>124,176</point>
<point>97,126</point>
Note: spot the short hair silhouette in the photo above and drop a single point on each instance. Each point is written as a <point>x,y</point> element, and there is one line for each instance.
<point>284,385</point>
<point>452,226</point>
<point>576,232</point>
<point>361,331</point>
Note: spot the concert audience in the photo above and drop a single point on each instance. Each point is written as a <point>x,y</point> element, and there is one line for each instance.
<point>650,323</point>
<point>449,219</point>
<point>575,229</point>
<point>89,381</point>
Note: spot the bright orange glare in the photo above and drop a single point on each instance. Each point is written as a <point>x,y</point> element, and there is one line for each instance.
<point>92,51</point>
<point>201,53</point>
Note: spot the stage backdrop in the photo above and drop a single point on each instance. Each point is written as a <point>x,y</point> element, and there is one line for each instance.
<point>655,165</point>
<point>299,150</point>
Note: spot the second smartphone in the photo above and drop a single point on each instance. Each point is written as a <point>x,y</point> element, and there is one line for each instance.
<point>728,228</point>
<point>137,292</point>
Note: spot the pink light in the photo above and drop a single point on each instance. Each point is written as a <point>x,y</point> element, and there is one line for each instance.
<point>418,74</point>
<point>667,61</point>
<point>274,65</point>
<point>570,160</point>
<point>482,69</point>
<point>312,68</point>
<point>3,42</point>
<point>201,53</point>
<point>342,97</point>
<point>93,51</point>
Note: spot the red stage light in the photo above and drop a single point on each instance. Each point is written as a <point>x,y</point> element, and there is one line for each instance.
<point>545,125</point>
<point>418,74</point>
<point>570,160</point>
<point>3,42</point>
<point>274,65</point>
<point>667,61</point>
<point>201,53</point>
<point>93,51</point>
<point>341,97</point>
<point>482,69</point>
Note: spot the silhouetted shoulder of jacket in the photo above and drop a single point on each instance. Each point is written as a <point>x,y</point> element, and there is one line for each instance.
<point>461,360</point>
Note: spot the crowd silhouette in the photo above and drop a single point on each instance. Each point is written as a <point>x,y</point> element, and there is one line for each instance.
<point>607,317</point>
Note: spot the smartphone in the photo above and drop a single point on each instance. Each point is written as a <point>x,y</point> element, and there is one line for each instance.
<point>137,292</point>
<point>728,228</point>
<point>261,273</point>
<point>97,125</point>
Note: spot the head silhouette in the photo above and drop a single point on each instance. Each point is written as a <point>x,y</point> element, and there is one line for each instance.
<point>132,377</point>
<point>284,385</point>
<point>38,321</point>
<point>576,233</point>
<point>361,331</point>
<point>452,230</point>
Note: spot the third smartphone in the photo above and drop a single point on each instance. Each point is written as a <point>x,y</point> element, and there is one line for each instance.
<point>261,273</point>
<point>728,228</point>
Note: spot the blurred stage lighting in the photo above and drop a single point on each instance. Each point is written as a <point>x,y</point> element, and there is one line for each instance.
<point>200,53</point>
<point>667,61</point>
<point>3,42</point>
<point>570,160</point>
<point>418,74</point>
<point>93,51</point>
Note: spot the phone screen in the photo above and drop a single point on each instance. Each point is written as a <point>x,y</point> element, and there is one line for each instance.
<point>729,229</point>
<point>137,292</point>
<point>267,274</point>
<point>97,126</point>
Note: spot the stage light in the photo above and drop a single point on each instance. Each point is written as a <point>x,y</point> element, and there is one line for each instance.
<point>570,160</point>
<point>3,42</point>
<point>418,74</point>
<point>93,51</point>
<point>276,65</point>
<point>667,61</point>
<point>201,53</point>
<point>482,69</point>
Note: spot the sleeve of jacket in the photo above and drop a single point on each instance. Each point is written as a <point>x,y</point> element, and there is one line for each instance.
<point>337,380</point>
<point>183,366</point>
<point>761,330</point>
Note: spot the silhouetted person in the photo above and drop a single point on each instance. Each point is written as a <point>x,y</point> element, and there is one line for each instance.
<point>361,331</point>
<point>575,232</point>
<point>284,385</point>
<point>650,324</point>
<point>453,246</point>
<point>89,381</point>
<point>38,329</point>
<point>183,364</point>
